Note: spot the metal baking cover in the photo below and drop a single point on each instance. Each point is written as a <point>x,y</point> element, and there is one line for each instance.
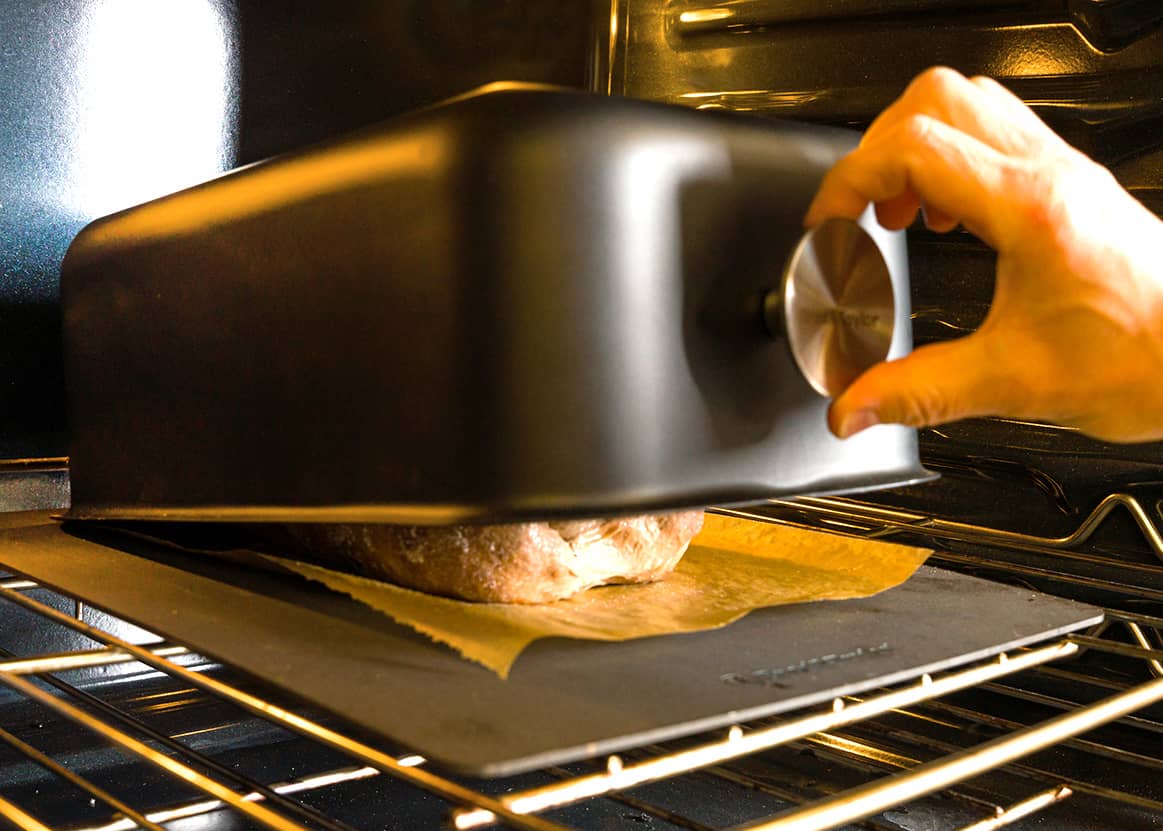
<point>521,304</point>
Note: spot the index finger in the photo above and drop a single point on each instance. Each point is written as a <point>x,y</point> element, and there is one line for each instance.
<point>938,164</point>
<point>979,107</point>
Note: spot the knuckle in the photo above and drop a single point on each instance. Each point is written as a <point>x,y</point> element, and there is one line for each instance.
<point>924,408</point>
<point>937,82</point>
<point>906,395</point>
<point>1033,193</point>
<point>1097,177</point>
<point>1054,195</point>
<point>1000,95</point>
<point>986,83</point>
<point>917,129</point>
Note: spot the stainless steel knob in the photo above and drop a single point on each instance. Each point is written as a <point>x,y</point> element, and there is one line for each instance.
<point>836,305</point>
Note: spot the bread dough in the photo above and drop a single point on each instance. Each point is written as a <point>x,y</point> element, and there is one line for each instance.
<point>519,563</point>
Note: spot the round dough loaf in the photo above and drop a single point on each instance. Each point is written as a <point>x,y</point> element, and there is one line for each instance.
<point>520,563</point>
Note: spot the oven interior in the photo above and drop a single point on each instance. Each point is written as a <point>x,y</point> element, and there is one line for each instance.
<point>103,725</point>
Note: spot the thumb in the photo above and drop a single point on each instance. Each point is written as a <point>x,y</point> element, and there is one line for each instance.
<point>935,384</point>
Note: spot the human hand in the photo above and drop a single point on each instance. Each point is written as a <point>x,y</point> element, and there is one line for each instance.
<point>1074,335</point>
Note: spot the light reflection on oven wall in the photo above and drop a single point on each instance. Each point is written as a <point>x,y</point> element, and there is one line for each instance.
<point>154,92</point>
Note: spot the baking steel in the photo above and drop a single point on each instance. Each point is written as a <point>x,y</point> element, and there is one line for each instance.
<point>565,699</point>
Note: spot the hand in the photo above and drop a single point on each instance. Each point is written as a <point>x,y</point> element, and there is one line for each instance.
<point>1075,332</point>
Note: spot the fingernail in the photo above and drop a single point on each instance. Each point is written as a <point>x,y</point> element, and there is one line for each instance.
<point>857,421</point>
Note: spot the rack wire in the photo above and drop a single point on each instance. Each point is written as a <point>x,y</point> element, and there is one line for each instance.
<point>899,737</point>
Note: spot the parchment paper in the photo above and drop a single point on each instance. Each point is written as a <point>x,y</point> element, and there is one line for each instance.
<point>732,567</point>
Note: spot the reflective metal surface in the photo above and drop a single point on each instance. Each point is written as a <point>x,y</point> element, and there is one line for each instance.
<point>34,484</point>
<point>836,306</point>
<point>104,103</point>
<point>108,103</point>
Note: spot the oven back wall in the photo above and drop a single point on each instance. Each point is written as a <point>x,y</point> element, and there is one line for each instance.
<point>108,103</point>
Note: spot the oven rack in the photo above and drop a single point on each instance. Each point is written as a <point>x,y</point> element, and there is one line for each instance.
<point>878,733</point>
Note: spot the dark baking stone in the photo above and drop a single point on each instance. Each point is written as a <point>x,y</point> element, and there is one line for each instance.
<point>565,699</point>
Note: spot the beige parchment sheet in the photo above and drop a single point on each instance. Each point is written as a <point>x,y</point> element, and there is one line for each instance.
<point>732,567</point>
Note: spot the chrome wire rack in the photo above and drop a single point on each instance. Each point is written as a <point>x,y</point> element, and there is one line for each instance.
<point>977,748</point>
